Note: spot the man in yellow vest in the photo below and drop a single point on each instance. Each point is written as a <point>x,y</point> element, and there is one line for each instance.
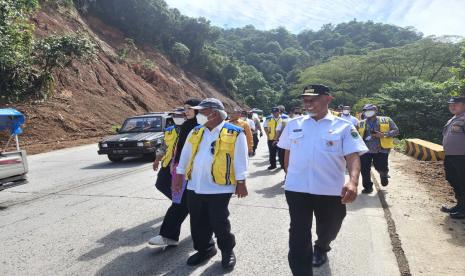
<point>235,119</point>
<point>214,162</point>
<point>272,126</point>
<point>378,133</point>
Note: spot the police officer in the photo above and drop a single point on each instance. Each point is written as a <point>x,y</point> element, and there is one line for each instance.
<point>378,133</point>
<point>168,156</point>
<point>318,147</point>
<point>214,161</point>
<point>271,125</point>
<point>454,149</point>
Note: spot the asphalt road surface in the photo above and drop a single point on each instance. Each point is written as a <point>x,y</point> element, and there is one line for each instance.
<point>80,214</point>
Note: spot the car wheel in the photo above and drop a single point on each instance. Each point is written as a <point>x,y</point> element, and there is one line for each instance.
<point>115,158</point>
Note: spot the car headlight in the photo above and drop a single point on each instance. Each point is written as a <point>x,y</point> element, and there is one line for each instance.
<point>140,144</point>
<point>104,145</point>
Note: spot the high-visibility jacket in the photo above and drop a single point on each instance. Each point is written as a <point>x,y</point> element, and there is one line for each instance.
<point>386,142</point>
<point>171,141</point>
<point>223,154</point>
<point>272,125</point>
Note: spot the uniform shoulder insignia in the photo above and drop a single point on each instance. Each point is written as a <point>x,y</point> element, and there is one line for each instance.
<point>354,133</point>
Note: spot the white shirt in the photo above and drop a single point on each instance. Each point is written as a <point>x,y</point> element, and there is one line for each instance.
<point>351,119</point>
<point>251,124</point>
<point>201,178</point>
<point>317,149</point>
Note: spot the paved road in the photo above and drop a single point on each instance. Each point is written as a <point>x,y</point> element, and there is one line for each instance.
<point>82,215</point>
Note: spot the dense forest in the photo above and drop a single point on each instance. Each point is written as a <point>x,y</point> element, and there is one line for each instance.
<point>410,76</point>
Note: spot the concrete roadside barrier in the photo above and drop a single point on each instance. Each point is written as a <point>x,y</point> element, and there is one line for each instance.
<point>424,150</point>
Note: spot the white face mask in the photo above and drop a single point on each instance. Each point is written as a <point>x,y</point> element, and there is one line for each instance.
<point>201,119</point>
<point>345,112</point>
<point>370,113</point>
<point>179,120</point>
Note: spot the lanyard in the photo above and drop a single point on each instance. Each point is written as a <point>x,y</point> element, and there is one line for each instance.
<point>371,125</point>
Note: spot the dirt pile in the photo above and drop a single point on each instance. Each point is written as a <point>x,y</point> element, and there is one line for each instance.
<point>90,98</point>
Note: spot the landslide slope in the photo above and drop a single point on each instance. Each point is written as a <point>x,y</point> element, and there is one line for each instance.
<point>90,98</point>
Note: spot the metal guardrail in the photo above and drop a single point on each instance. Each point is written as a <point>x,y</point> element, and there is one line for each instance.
<point>424,150</point>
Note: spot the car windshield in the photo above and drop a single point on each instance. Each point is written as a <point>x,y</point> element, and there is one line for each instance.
<point>143,124</point>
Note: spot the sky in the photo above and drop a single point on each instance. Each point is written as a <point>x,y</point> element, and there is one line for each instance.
<point>431,17</point>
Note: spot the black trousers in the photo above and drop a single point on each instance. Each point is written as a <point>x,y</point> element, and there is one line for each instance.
<point>379,160</point>
<point>209,214</point>
<point>454,167</point>
<point>174,217</point>
<point>274,150</point>
<point>255,141</point>
<point>329,213</point>
<point>163,183</point>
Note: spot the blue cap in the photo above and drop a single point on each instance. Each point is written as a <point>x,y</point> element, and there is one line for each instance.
<point>210,103</point>
<point>369,107</point>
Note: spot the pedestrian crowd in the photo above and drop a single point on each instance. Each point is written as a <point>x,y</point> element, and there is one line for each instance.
<point>205,155</point>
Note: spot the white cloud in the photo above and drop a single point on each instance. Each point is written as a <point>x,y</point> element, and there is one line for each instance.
<point>432,17</point>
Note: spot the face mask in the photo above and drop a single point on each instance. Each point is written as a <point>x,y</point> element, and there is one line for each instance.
<point>345,112</point>
<point>244,118</point>
<point>179,120</point>
<point>370,113</point>
<point>201,119</point>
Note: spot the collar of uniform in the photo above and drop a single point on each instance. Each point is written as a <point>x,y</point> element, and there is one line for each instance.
<point>328,116</point>
<point>217,128</point>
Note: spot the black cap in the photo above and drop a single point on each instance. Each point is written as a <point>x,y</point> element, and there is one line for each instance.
<point>178,110</point>
<point>192,102</point>
<point>275,109</point>
<point>460,99</point>
<point>210,103</point>
<point>315,90</point>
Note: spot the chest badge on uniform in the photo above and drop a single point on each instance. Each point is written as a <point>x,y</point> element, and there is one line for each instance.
<point>329,143</point>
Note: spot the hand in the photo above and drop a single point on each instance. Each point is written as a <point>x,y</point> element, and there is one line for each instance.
<point>156,164</point>
<point>241,190</point>
<point>177,185</point>
<point>377,134</point>
<point>349,193</point>
<point>275,142</point>
<point>250,153</point>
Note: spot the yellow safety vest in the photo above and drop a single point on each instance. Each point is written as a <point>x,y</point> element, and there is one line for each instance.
<point>171,141</point>
<point>386,142</point>
<point>223,155</point>
<point>272,125</point>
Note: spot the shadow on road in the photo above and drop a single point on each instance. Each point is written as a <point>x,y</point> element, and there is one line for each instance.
<point>150,261</point>
<point>273,191</point>
<point>265,172</point>
<point>123,238</point>
<point>125,164</point>
<point>455,228</point>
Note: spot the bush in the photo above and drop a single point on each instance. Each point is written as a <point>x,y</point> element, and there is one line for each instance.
<point>180,53</point>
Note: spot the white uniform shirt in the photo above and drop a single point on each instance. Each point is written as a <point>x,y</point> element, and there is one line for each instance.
<point>351,119</point>
<point>251,124</point>
<point>317,149</point>
<point>201,178</point>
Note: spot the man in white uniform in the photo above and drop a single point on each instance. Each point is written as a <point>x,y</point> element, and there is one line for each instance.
<point>214,162</point>
<point>347,116</point>
<point>318,147</point>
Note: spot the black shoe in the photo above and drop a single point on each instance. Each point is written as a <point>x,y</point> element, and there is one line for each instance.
<point>458,215</point>
<point>228,260</point>
<point>384,181</point>
<point>367,190</point>
<point>201,257</point>
<point>447,209</point>
<point>271,168</point>
<point>319,258</point>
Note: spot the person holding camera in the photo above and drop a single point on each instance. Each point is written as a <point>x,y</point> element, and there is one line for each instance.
<point>378,133</point>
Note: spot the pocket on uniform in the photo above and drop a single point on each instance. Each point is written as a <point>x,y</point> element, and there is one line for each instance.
<point>458,127</point>
<point>296,138</point>
<point>331,143</point>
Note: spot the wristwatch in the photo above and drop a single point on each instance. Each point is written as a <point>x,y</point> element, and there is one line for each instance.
<point>240,181</point>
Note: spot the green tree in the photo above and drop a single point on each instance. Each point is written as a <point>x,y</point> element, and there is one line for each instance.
<point>180,53</point>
